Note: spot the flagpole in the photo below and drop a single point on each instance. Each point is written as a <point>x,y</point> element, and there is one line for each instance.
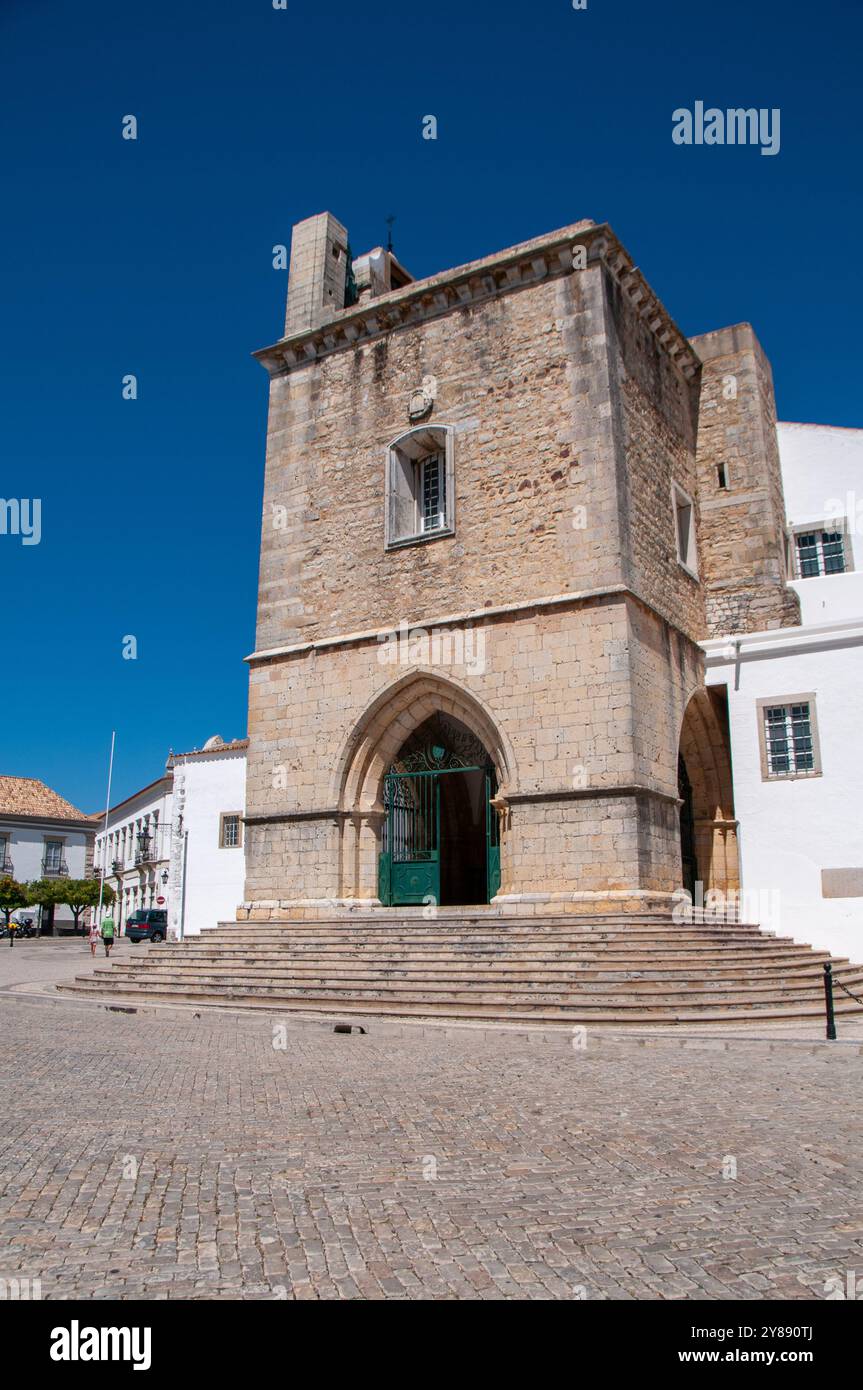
<point>105,831</point>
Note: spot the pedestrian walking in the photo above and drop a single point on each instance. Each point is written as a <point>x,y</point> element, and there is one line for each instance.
<point>13,927</point>
<point>95,935</point>
<point>107,934</point>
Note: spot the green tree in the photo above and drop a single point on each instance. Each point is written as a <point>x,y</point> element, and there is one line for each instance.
<point>12,894</point>
<point>47,892</point>
<point>81,893</point>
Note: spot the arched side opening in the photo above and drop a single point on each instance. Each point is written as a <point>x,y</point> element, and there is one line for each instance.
<point>708,826</point>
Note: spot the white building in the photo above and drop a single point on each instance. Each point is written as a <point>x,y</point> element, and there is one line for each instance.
<point>135,855</point>
<point>208,862</point>
<point>794,704</point>
<point>177,845</point>
<point>43,836</point>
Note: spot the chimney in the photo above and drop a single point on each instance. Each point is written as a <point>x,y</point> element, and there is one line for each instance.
<point>318,273</point>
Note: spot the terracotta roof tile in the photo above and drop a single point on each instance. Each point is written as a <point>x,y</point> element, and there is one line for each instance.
<point>25,796</point>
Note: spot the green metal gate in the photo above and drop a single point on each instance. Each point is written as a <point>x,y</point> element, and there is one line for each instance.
<point>409,872</point>
<point>492,837</point>
<point>412,837</point>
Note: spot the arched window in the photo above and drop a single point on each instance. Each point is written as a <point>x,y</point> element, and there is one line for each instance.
<point>420,486</point>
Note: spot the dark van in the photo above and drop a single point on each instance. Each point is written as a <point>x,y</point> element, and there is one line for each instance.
<point>147,924</point>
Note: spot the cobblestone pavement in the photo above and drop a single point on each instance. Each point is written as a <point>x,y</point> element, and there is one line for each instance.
<point>50,959</point>
<point>146,1156</point>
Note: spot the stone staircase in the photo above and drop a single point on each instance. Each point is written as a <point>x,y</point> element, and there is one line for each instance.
<point>600,970</point>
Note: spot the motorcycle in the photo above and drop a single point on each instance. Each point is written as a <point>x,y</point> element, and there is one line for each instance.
<point>22,930</point>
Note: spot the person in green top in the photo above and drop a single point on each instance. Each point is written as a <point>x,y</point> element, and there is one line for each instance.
<point>108,934</point>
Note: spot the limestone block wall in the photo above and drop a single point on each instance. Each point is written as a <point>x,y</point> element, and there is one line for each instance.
<point>523,380</point>
<point>570,423</point>
<point>742,522</point>
<point>579,704</point>
<point>656,420</point>
<point>666,668</point>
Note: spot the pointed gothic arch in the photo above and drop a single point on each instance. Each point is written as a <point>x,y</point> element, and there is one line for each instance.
<point>372,748</point>
<point>389,720</point>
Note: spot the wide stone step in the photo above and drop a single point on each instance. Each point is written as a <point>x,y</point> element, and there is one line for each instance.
<point>539,959</point>
<point>579,1012</point>
<point>494,972</point>
<point>431,991</point>
<point>461,918</point>
<point>473,967</point>
<point>440,931</point>
<point>536,949</point>
<point>425,917</point>
<point>490,960</point>
<point>483,940</point>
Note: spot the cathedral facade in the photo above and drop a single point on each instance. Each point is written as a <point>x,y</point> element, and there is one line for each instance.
<point>503,506</point>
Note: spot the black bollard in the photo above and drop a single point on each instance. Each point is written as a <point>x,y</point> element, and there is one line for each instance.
<point>828,1001</point>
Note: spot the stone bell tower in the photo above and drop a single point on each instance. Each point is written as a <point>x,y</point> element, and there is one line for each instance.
<point>481,559</point>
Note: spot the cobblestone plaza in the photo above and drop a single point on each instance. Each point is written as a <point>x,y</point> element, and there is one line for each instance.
<point>163,1155</point>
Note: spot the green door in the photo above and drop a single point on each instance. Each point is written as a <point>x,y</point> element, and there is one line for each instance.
<point>410,859</point>
<point>492,837</point>
<point>412,853</point>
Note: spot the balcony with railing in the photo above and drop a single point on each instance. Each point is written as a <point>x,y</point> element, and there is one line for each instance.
<point>147,849</point>
<point>55,868</point>
<point>7,868</point>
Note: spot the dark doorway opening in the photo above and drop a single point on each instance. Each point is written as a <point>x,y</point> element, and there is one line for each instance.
<point>464,868</point>
<point>689,865</point>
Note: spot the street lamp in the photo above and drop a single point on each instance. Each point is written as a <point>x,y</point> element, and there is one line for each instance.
<point>165,876</point>
<point>143,838</point>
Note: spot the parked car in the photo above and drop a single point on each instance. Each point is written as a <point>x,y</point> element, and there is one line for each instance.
<point>147,924</point>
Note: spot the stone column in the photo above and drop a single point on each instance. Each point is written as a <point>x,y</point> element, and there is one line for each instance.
<point>716,853</point>
<point>362,879</point>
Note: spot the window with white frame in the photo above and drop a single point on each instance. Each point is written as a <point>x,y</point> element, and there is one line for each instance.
<point>788,735</point>
<point>5,858</point>
<point>820,550</point>
<point>684,529</point>
<point>53,856</point>
<point>230,830</point>
<point>420,486</point>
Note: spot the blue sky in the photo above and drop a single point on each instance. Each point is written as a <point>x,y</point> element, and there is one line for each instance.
<point>154,257</point>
